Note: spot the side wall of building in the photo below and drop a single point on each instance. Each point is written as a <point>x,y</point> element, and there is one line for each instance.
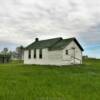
<point>36,60</point>
<point>48,57</point>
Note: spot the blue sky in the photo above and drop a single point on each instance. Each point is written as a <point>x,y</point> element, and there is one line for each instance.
<point>21,21</point>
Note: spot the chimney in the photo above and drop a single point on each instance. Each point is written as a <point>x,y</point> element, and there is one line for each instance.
<point>36,39</point>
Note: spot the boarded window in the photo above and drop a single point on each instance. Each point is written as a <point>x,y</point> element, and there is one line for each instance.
<point>66,52</point>
<point>40,54</point>
<point>29,54</point>
<point>34,53</point>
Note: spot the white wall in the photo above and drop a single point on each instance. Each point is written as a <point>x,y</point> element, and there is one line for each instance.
<point>74,56</point>
<point>57,57</point>
<point>36,60</point>
<point>49,57</point>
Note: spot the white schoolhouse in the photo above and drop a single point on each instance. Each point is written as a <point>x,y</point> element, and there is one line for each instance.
<point>56,51</point>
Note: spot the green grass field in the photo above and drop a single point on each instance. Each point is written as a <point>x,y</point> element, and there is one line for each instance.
<point>33,82</point>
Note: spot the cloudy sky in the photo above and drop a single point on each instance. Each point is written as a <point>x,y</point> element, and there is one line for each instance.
<point>23,20</point>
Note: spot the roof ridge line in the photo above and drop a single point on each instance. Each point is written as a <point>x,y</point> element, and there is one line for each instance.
<point>50,39</point>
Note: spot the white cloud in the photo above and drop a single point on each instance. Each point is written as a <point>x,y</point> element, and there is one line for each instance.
<point>20,20</point>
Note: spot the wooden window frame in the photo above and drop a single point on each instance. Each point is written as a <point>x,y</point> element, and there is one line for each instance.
<point>29,54</point>
<point>40,53</point>
<point>34,53</point>
<point>67,52</point>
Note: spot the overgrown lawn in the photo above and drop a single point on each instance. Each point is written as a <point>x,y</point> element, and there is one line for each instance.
<point>34,82</point>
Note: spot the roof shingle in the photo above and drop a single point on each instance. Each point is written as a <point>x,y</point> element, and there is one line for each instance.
<point>43,43</point>
<point>52,44</point>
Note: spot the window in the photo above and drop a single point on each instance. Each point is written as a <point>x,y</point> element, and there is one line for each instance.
<point>34,53</point>
<point>40,54</point>
<point>29,54</point>
<point>66,52</point>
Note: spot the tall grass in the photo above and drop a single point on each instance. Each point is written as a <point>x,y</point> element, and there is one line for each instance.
<point>34,82</point>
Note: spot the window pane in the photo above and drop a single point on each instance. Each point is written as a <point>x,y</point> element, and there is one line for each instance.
<point>40,54</point>
<point>34,53</point>
<point>29,54</point>
<point>66,52</point>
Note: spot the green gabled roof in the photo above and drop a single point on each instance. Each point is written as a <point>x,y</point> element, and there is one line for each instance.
<point>60,45</point>
<point>44,43</point>
<point>53,44</point>
<point>63,43</point>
